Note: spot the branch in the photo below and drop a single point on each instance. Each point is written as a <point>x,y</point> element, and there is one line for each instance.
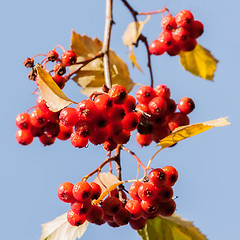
<point>106,43</point>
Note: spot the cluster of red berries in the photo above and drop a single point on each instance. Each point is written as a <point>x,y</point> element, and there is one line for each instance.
<point>68,58</point>
<point>149,200</point>
<point>157,113</point>
<point>179,34</point>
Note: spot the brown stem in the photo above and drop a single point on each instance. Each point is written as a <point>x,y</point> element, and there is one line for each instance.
<point>137,159</point>
<point>144,40</point>
<point>106,43</point>
<point>119,171</point>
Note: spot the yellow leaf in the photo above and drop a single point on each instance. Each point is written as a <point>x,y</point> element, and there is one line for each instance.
<point>187,131</point>
<point>171,228</point>
<point>199,62</point>
<point>91,77</point>
<point>133,31</point>
<point>50,91</point>
<point>133,59</point>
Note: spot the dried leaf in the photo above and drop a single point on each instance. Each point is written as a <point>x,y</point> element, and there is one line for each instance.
<point>171,228</point>
<point>199,62</point>
<point>50,91</point>
<point>134,60</point>
<point>133,31</point>
<point>91,77</point>
<point>107,181</point>
<point>60,229</point>
<point>184,132</point>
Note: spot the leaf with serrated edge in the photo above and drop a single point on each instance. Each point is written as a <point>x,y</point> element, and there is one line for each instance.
<point>170,228</point>
<point>50,91</point>
<point>60,229</point>
<point>91,77</point>
<point>187,131</point>
<point>200,62</point>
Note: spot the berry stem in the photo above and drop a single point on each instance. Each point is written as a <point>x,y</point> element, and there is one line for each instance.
<point>150,161</point>
<point>137,159</point>
<point>154,12</point>
<point>59,45</point>
<point>106,43</point>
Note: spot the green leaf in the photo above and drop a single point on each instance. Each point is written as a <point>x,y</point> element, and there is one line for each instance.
<point>171,228</point>
<point>199,62</point>
<point>60,229</point>
<point>50,91</point>
<point>91,77</point>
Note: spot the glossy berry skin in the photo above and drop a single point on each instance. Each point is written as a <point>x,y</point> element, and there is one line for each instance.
<point>158,106</point>
<point>118,94</point>
<point>122,138</point>
<point>130,121</point>
<point>96,190</point>
<point>133,190</point>
<point>75,219</point>
<point>147,191</point>
<point>46,141</point>
<point>186,105</point>
<point>52,55</point>
<point>109,145</point>
<point>166,39</point>
<point>78,141</point>
<point>172,175</point>
<point>69,58</point>
<point>184,18</point>
<point>165,193</point>
<point>99,136</point>
<point>129,104</point>
<point>162,91</point>
<point>95,215</point>
<point>81,207</point>
<point>181,36</point>
<point>168,23</point>
<point>84,128</point>
<point>150,207</point>
<point>174,49</point>
<point>157,177</point>
<point>65,132</point>
<point>196,29</point>
<point>134,207</point>
<point>104,103</point>
<point>178,119</point>
<point>59,80</point>
<point>65,193</point>
<point>111,205</point>
<point>145,94</point>
<point>167,209</point>
<point>156,47</point>
<point>68,117</point>
<point>138,224</point>
<point>24,136</point>
<point>59,69</point>
<point>51,130</point>
<point>171,106</point>
<point>86,110</point>
<point>23,121</point>
<point>143,140</point>
<point>123,217</point>
<point>82,191</point>
<point>38,118</point>
<point>117,113</point>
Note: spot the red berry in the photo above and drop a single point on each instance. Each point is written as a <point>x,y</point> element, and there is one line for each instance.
<point>68,117</point>
<point>167,209</point>
<point>69,58</point>
<point>134,207</point>
<point>38,118</point>
<point>122,138</point>
<point>123,217</point>
<point>130,121</point>
<point>168,23</point>
<point>24,136</point>
<point>96,190</point>
<point>196,29</point>
<point>184,18</point>
<point>186,105</point>
<point>78,141</point>
<point>95,215</point>
<point>157,177</point>
<point>181,36</point>
<point>59,69</point>
<point>117,113</point>
<point>28,63</point>
<point>118,93</point>
<point>147,191</point>
<point>145,126</point>
<point>99,136</point>
<point>116,192</point>
<point>59,80</point>
<point>166,39</point>
<point>52,55</point>
<point>150,207</point>
<point>81,207</point>
<point>138,224</point>
<point>172,175</point>
<point>177,119</point>
<point>45,140</point>
<point>51,130</point>
<point>129,104</point>
<point>165,193</point>
<point>159,132</point>
<point>64,192</point>
<point>133,190</point>
<point>23,121</point>
<point>158,106</point>
<point>189,45</point>
<point>111,205</point>
<point>174,49</point>
<point>171,106</point>
<point>157,48</point>
<point>36,132</point>
<point>75,219</point>
<point>145,94</point>
<point>104,103</point>
<point>84,129</point>
<point>109,145</point>
<point>115,128</point>
<point>143,140</point>
<point>82,191</point>
<point>65,132</point>
<point>162,91</point>
<point>87,110</point>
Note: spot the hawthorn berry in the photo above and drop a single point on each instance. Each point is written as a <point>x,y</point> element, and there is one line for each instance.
<point>172,175</point>
<point>177,119</point>
<point>167,209</point>
<point>68,58</point>
<point>196,29</point>
<point>145,94</point>
<point>96,190</point>
<point>165,193</point>
<point>59,80</point>
<point>95,215</point>
<point>138,223</point>
<point>156,47</point>
<point>157,177</point>
<point>184,18</point>
<point>81,207</point>
<point>147,191</point>
<point>46,141</point>
<point>118,94</point>
<point>166,39</point>
<point>82,191</point>
<point>68,117</point>
<point>24,136</point>
<point>78,141</point>
<point>123,217</point>
<point>158,106</point>
<point>134,207</point>
<point>75,219</point>
<point>64,192</point>
<point>59,69</point>
<point>186,105</point>
<point>38,118</point>
<point>162,91</point>
<point>86,110</point>
<point>111,205</point>
<point>143,140</point>
<point>52,55</point>
<point>168,23</point>
<point>23,121</point>
<point>29,63</point>
<point>133,190</point>
<point>65,132</point>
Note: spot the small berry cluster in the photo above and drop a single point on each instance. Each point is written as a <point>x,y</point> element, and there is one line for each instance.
<point>149,200</point>
<point>157,113</point>
<point>179,34</point>
<point>67,59</point>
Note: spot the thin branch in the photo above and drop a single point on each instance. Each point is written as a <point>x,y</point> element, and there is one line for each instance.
<point>133,12</point>
<point>106,43</point>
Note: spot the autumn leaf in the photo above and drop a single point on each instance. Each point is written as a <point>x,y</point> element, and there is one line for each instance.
<point>170,228</point>
<point>60,229</point>
<point>130,37</point>
<point>91,77</point>
<point>199,62</point>
<point>50,91</point>
<point>187,131</point>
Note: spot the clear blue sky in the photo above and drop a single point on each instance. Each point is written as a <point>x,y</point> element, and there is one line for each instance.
<point>208,164</point>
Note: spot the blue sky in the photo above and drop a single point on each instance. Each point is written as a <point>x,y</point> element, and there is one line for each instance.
<point>208,164</point>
